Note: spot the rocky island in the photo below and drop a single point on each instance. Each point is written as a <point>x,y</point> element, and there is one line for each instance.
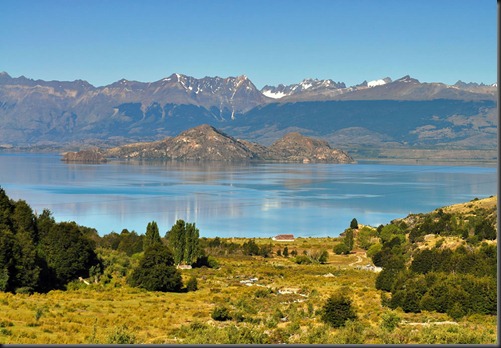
<point>206,143</point>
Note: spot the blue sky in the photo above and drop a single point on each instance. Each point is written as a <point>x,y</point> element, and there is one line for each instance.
<point>270,41</point>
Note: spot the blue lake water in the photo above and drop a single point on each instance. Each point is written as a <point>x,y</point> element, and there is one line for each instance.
<point>237,200</point>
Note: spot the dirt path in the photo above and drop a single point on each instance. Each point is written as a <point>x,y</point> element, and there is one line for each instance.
<point>359,260</point>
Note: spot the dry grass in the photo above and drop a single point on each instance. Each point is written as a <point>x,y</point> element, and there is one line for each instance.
<point>92,314</point>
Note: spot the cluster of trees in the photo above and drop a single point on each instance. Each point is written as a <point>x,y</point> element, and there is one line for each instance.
<point>457,281</point>
<point>474,229</point>
<point>38,254</point>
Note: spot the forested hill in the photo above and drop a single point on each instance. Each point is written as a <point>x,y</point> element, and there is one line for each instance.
<point>444,261</point>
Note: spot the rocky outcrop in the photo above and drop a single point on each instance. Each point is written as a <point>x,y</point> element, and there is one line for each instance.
<point>295,147</point>
<point>85,156</point>
<point>205,143</point>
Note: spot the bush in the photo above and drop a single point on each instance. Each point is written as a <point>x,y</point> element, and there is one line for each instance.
<point>221,313</point>
<point>390,321</point>
<point>302,260</point>
<point>192,284</point>
<point>156,272</point>
<point>121,336</point>
<point>341,248</point>
<point>337,310</point>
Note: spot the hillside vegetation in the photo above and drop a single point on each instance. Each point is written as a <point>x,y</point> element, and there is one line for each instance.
<point>426,278</point>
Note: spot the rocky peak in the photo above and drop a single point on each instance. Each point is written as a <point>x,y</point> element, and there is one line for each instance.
<point>206,143</point>
<point>407,79</point>
<point>296,147</point>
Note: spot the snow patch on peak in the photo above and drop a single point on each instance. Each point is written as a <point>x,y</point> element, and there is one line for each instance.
<point>306,85</point>
<point>375,83</point>
<point>274,95</point>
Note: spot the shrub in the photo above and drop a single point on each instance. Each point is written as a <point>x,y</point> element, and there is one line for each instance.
<point>302,260</point>
<point>341,248</point>
<point>390,321</point>
<point>156,272</point>
<point>121,336</point>
<point>192,284</point>
<point>221,313</point>
<point>337,310</point>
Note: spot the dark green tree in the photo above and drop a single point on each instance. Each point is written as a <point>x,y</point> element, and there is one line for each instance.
<point>348,239</point>
<point>24,219</point>
<point>286,252</point>
<point>6,208</point>
<point>176,238</point>
<point>250,248</point>
<point>192,250</point>
<point>151,236</point>
<point>7,259</point>
<point>68,253</point>
<point>354,224</point>
<point>130,242</point>
<point>337,310</point>
<point>156,271</point>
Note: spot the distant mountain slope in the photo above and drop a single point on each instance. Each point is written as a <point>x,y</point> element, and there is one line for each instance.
<point>375,113</point>
<point>415,123</point>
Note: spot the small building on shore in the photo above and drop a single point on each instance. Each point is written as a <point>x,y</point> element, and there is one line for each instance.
<point>284,238</point>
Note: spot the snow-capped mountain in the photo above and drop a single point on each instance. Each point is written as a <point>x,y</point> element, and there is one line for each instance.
<point>379,82</point>
<point>305,87</point>
<point>37,111</point>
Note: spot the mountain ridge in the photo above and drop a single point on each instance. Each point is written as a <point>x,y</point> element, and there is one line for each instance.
<point>55,113</point>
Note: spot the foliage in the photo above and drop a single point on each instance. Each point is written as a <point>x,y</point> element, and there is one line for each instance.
<point>337,310</point>
<point>390,321</point>
<point>156,271</point>
<point>341,248</point>
<point>250,248</point>
<point>221,313</point>
<point>151,236</point>
<point>354,224</point>
<point>183,239</point>
<point>69,255</point>
<point>121,335</point>
<point>192,284</point>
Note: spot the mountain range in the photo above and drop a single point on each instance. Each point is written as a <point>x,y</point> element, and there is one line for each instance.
<point>385,112</point>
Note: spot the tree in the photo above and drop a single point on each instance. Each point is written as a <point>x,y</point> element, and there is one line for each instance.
<point>192,249</point>
<point>341,248</point>
<point>177,240</point>
<point>68,253</point>
<point>286,252</point>
<point>23,219</point>
<point>354,224</point>
<point>250,248</point>
<point>130,242</point>
<point>156,271</point>
<point>337,310</point>
<point>151,236</point>
<point>183,239</point>
<point>348,239</point>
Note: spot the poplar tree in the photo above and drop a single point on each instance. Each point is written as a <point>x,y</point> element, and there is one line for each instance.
<point>177,240</point>
<point>183,239</point>
<point>152,235</point>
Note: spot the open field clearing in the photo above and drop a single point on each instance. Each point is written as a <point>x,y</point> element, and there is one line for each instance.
<point>271,300</point>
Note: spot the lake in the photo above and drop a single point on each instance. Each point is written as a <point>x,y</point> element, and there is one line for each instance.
<point>237,200</point>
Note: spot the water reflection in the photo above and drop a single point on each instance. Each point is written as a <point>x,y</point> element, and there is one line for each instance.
<point>244,199</point>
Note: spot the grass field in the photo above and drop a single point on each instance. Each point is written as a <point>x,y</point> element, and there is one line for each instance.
<point>281,306</point>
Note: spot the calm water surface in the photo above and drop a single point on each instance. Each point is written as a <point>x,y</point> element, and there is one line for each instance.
<point>226,200</point>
